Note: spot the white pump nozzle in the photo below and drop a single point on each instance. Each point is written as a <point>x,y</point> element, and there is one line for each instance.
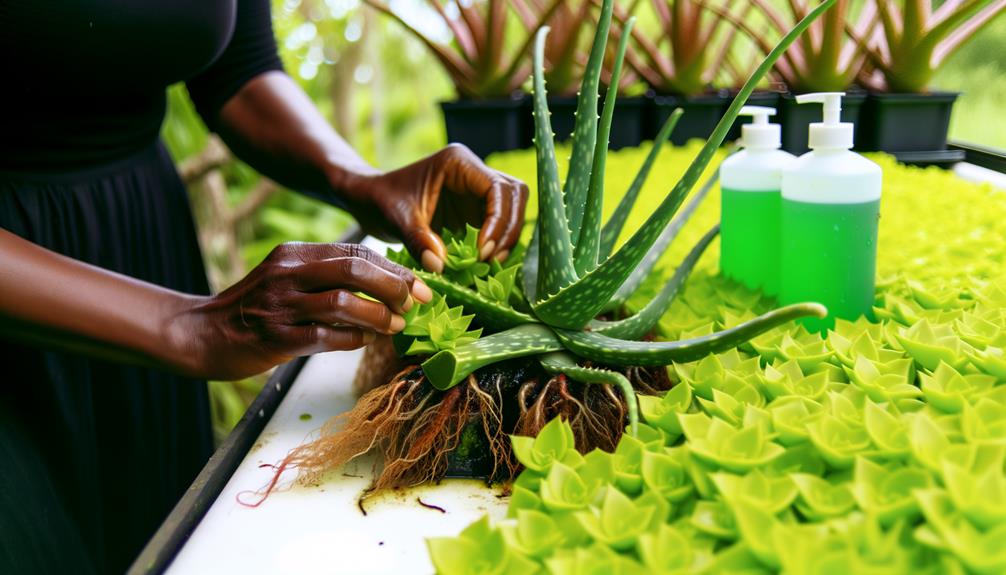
<point>759,134</point>
<point>832,132</point>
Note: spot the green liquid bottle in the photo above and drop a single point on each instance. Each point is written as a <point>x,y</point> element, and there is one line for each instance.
<point>830,215</point>
<point>750,223</point>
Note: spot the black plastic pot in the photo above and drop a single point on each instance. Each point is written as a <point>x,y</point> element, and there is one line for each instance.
<point>766,99</point>
<point>700,117</point>
<point>626,124</point>
<point>796,118</point>
<point>487,126</point>
<point>906,122</point>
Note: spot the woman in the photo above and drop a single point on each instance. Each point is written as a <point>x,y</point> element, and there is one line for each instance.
<point>109,328</point>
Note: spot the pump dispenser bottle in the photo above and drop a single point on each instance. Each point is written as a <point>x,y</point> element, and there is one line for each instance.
<point>830,214</point>
<point>750,182</point>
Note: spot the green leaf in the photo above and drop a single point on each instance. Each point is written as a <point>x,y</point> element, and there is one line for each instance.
<point>553,443</point>
<point>887,492</point>
<point>790,417</point>
<point>978,492</point>
<point>984,422</point>
<point>662,412</point>
<point>887,431</point>
<point>788,379</point>
<point>715,519</point>
<point>462,265</point>
<point>668,550</point>
<point>929,345</point>
<point>564,490</point>
<point>628,464</point>
<point>585,126</point>
<point>588,238</point>
<point>448,367</point>
<point>757,529</point>
<point>619,523</point>
<point>726,447</point>
<point>435,327</point>
<point>838,441</point>
<point>613,351</point>
<point>492,314</point>
<point>573,306</point>
<point>948,390</point>
<point>821,499</point>
<point>666,475</point>
<point>535,534</point>
<point>772,494</point>
<point>991,361</point>
<point>555,252</point>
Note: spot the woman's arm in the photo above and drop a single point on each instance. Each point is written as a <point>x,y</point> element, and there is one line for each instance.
<point>299,301</point>
<point>273,125</point>
<point>270,123</point>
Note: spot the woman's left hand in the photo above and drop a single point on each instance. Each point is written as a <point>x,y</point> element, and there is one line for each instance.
<point>450,188</point>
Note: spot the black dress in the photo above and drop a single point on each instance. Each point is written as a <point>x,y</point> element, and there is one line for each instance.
<point>94,455</point>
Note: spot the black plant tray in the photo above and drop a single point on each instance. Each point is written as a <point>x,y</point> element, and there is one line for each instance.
<point>487,126</point>
<point>701,114</point>
<point>796,119</point>
<point>906,122</point>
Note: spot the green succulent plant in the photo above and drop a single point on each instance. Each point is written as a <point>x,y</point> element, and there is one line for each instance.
<point>571,271</point>
<point>554,443</point>
<point>618,522</point>
<point>480,549</point>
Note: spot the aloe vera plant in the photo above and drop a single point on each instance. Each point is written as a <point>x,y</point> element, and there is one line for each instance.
<point>476,58</point>
<point>570,273</point>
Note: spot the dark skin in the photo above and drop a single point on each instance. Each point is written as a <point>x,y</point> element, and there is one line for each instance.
<point>302,299</point>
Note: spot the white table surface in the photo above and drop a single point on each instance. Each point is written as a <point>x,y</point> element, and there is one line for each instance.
<point>320,529</point>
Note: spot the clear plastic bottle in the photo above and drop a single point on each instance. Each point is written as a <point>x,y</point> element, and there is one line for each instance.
<point>750,225</point>
<point>830,215</point>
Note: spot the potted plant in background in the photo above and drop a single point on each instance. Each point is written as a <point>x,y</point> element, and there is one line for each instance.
<point>826,59</point>
<point>564,59</point>
<point>488,115</point>
<point>912,42</point>
<point>679,61</point>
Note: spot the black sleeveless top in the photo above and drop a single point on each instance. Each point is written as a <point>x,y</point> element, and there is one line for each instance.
<point>82,82</point>
<point>96,454</point>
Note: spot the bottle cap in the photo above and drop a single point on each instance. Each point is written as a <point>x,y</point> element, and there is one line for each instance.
<point>759,134</point>
<point>832,132</point>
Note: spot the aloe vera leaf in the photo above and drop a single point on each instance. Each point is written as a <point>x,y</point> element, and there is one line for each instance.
<point>564,363</point>
<point>586,249</point>
<point>585,127</point>
<point>490,314</point>
<point>447,368</point>
<point>637,325</point>
<point>555,253</point>
<point>573,306</point>
<point>609,350</point>
<point>613,227</point>
<point>529,268</point>
<point>658,248</point>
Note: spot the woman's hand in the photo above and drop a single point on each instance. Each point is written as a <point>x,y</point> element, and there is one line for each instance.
<point>299,301</point>
<point>450,188</point>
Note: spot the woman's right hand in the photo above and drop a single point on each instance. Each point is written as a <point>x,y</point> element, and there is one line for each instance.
<point>299,301</point>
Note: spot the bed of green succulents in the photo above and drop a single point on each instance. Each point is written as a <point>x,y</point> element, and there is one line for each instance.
<point>878,447</point>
